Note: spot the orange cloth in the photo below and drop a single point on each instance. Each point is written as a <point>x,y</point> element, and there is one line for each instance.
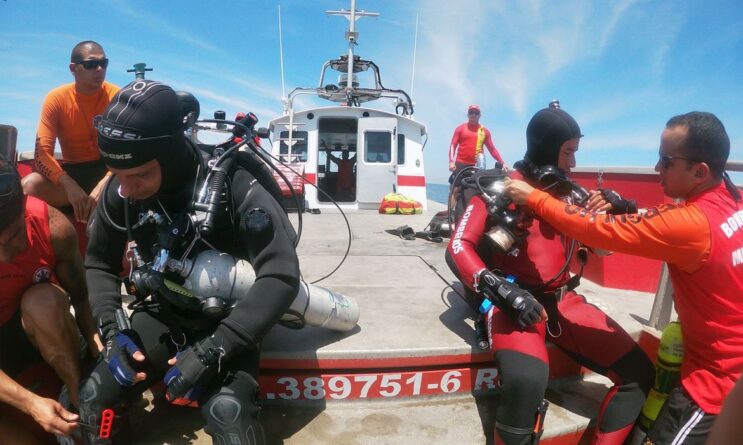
<point>67,115</point>
<point>678,234</point>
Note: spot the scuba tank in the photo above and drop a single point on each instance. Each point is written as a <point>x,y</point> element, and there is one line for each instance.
<point>321,307</point>
<point>667,373</point>
<point>217,280</point>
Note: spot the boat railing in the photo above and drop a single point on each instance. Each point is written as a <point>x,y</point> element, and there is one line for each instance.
<point>355,96</point>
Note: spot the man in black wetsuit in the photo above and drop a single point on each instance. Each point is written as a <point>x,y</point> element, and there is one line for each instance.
<point>203,358</point>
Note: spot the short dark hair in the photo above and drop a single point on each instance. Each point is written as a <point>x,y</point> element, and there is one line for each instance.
<point>11,193</point>
<point>706,139</point>
<point>77,51</point>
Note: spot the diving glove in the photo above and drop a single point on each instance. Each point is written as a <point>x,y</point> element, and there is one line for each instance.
<point>119,347</point>
<point>194,369</point>
<point>518,303</point>
<point>619,205</point>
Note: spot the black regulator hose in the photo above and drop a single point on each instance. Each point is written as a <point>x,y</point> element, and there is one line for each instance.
<point>215,188</point>
<point>266,158</point>
<point>104,207</point>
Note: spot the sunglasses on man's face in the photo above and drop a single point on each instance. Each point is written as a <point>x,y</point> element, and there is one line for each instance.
<point>476,113</point>
<point>93,64</point>
<point>666,161</point>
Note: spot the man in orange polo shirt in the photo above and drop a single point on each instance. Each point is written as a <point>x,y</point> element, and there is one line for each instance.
<point>67,115</point>
<point>702,242</point>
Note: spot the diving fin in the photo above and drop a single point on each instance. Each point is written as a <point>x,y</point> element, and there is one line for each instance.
<point>404,232</point>
<point>430,235</point>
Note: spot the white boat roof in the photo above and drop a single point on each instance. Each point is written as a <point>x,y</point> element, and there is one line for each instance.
<point>337,110</point>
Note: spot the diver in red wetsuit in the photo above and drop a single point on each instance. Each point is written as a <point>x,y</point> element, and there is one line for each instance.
<point>542,289</point>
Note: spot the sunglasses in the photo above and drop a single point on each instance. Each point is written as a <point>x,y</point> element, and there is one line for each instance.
<point>473,112</point>
<point>93,64</point>
<point>666,161</point>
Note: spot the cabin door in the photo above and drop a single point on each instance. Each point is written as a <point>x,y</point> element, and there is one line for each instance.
<point>376,166</point>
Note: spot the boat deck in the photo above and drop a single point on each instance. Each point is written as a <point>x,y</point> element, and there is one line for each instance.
<point>410,370</point>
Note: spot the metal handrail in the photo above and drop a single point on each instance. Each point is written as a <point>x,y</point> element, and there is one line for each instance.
<point>734,166</point>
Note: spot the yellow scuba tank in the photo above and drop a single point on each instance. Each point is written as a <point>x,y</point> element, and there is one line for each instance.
<point>667,373</point>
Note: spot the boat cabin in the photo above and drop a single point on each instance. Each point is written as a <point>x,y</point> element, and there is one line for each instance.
<point>353,155</point>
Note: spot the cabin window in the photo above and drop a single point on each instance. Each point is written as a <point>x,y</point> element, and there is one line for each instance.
<point>299,149</point>
<point>377,147</point>
<point>400,149</point>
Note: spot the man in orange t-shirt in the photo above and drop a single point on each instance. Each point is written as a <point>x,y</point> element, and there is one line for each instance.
<point>67,115</point>
<point>702,242</point>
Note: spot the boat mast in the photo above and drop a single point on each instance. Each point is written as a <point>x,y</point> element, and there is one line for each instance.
<point>352,36</point>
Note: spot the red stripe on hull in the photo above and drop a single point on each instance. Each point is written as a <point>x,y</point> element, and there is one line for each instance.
<point>411,181</point>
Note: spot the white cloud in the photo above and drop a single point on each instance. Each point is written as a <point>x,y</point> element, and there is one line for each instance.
<point>161,26</point>
<point>20,96</point>
<point>609,28</point>
<point>261,110</point>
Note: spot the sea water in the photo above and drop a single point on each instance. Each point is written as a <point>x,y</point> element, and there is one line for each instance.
<point>438,192</point>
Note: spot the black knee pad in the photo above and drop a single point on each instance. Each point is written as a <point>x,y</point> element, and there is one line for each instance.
<point>98,393</point>
<point>522,376</point>
<point>231,413</point>
<point>523,383</point>
<point>509,435</point>
<point>637,373</point>
<point>636,366</point>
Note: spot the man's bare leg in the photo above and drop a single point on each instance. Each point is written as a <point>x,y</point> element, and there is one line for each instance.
<point>453,199</point>
<point>46,318</point>
<point>34,184</point>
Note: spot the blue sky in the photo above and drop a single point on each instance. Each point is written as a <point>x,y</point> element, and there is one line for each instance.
<point>622,68</point>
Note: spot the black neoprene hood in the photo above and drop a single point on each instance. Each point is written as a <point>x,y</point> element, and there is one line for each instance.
<point>136,124</point>
<point>144,121</point>
<point>545,134</point>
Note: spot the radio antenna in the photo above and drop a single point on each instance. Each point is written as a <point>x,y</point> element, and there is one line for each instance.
<point>281,59</point>
<point>415,50</point>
